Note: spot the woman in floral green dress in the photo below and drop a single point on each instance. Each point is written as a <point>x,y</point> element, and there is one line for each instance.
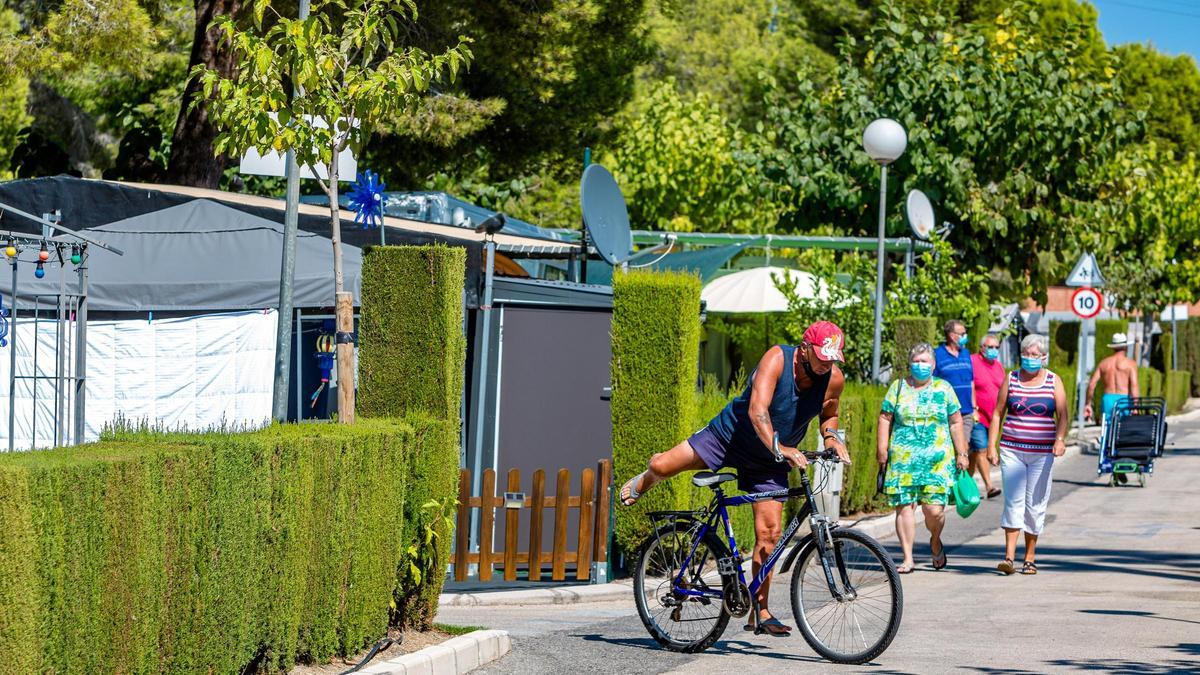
<point>920,440</point>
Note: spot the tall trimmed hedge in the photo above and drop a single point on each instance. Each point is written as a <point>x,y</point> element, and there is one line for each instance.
<point>908,331</point>
<point>1179,385</point>
<point>655,348</point>
<point>412,357</point>
<point>1064,346</point>
<point>1161,356</point>
<point>206,553</point>
<point>859,416</point>
<point>412,347</point>
<point>1189,351</point>
<point>1151,382</point>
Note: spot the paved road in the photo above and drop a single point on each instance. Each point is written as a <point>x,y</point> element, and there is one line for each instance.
<point>1119,592</point>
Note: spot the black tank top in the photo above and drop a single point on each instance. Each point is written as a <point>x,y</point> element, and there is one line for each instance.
<point>791,409</point>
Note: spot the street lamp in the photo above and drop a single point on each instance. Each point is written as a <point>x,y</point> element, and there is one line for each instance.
<point>884,140</point>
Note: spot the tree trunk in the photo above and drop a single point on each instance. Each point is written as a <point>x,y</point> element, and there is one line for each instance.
<point>344,305</point>
<point>192,159</point>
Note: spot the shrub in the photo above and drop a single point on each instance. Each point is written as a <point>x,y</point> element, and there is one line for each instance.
<point>412,357</point>
<point>1064,346</point>
<point>1179,384</point>
<point>909,331</point>
<point>412,348</point>
<point>206,552</point>
<point>1189,351</point>
<point>1150,380</point>
<point>859,416</point>
<point>655,347</point>
<point>1161,356</point>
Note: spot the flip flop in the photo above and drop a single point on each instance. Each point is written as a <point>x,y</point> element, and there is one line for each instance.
<point>940,556</point>
<point>1006,566</point>
<point>1029,567</point>
<point>993,493</point>
<point>904,569</point>
<point>629,493</point>
<point>771,626</point>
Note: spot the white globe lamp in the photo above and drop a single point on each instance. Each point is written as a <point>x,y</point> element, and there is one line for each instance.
<point>885,140</point>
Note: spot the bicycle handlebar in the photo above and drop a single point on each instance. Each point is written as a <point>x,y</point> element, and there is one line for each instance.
<point>827,454</point>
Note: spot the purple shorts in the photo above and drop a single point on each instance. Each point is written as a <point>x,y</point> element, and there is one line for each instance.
<point>755,473</point>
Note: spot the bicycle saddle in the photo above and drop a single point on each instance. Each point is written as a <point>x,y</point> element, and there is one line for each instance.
<point>709,479</point>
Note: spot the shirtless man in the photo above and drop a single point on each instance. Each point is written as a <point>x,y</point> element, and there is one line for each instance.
<point>1120,375</point>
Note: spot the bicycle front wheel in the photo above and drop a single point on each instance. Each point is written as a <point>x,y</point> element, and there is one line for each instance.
<point>683,612</point>
<point>859,625</point>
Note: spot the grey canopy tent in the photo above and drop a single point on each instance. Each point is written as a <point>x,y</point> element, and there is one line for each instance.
<point>199,256</point>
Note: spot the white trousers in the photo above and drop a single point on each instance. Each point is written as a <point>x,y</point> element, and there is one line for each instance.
<point>1026,489</point>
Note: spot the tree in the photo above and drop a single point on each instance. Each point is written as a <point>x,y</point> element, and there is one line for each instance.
<point>1167,88</point>
<point>193,161</point>
<point>679,163</point>
<point>941,287</point>
<point>546,81</point>
<point>318,86</point>
<point>1148,228</point>
<point>1006,130</point>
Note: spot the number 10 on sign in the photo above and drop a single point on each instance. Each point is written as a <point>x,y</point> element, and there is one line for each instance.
<point>1086,303</point>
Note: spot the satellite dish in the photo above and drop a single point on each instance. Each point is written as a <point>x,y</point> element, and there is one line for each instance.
<point>604,215</point>
<point>920,214</point>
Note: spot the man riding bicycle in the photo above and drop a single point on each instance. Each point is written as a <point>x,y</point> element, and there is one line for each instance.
<point>790,386</point>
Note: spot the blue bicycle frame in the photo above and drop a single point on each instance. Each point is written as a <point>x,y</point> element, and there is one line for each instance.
<point>718,511</point>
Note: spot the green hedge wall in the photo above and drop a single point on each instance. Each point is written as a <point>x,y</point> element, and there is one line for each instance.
<point>1070,386</point>
<point>859,416</point>
<point>1179,385</point>
<point>1189,351</point>
<point>206,553</point>
<point>909,330</point>
<point>655,348</point>
<point>411,340</point>
<point>1150,380</point>
<point>979,330</point>
<point>1064,346</point>
<point>1160,356</point>
<point>412,357</point>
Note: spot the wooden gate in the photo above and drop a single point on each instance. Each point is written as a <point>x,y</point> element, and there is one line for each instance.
<point>591,519</point>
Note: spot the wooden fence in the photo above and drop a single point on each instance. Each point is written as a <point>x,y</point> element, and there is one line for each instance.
<point>591,519</point>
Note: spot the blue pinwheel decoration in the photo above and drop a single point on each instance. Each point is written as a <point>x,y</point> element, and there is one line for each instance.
<point>3,325</point>
<point>366,199</point>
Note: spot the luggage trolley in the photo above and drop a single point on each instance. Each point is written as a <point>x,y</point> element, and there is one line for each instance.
<point>1133,436</point>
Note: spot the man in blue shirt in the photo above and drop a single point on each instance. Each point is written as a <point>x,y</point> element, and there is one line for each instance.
<point>952,363</point>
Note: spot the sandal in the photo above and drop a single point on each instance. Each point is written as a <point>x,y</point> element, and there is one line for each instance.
<point>993,493</point>
<point>1006,566</point>
<point>629,493</point>
<point>1029,567</point>
<point>940,556</point>
<point>771,626</point>
<point>904,569</point>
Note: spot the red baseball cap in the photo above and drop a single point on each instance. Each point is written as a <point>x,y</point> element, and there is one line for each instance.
<point>827,340</point>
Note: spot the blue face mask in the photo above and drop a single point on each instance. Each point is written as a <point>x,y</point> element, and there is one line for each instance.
<point>920,370</point>
<point>962,341</point>
<point>1031,363</point>
<point>992,353</point>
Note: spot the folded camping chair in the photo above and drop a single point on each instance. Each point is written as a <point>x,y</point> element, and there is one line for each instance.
<point>1136,434</point>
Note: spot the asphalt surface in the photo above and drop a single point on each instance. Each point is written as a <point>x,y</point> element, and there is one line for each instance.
<point>1118,591</point>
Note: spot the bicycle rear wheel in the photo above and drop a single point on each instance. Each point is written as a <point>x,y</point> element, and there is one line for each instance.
<point>680,621</point>
<point>861,625</point>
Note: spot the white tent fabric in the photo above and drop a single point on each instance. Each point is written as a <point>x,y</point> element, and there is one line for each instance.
<point>188,373</point>
<point>754,290</point>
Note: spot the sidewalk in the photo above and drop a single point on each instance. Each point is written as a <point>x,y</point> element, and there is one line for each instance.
<point>881,527</point>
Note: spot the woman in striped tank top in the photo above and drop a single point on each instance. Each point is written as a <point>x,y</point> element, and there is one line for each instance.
<point>1029,427</point>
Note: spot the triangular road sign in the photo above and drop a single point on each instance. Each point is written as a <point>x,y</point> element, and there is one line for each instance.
<point>1086,272</point>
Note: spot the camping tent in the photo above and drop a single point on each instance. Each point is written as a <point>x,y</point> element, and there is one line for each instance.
<point>199,256</point>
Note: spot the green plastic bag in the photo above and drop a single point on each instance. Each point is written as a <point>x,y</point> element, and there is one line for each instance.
<point>965,494</point>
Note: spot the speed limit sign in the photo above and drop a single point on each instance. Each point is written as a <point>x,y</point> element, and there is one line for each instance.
<point>1086,302</point>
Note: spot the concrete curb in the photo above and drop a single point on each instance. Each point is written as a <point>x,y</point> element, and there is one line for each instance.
<point>453,657</point>
<point>562,595</point>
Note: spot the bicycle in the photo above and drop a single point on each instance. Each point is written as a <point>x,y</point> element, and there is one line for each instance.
<point>845,594</point>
